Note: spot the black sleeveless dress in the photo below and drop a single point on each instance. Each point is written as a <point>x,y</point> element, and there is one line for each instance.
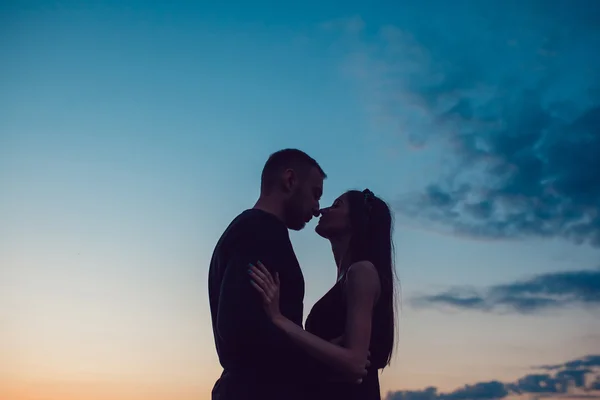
<point>327,319</point>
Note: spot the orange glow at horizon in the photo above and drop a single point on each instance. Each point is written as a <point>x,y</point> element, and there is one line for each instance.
<point>110,390</point>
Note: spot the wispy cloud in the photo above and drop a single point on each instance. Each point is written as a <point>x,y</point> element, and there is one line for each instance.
<point>577,378</point>
<point>515,105</point>
<point>586,362</point>
<point>536,294</point>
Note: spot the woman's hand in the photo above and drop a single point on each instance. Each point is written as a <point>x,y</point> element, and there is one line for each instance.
<point>268,287</point>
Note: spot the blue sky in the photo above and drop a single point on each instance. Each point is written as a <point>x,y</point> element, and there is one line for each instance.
<point>131,133</point>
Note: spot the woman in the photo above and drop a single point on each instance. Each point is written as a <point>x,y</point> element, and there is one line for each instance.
<point>355,319</point>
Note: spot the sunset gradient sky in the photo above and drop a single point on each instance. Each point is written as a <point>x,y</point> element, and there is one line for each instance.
<point>132,132</point>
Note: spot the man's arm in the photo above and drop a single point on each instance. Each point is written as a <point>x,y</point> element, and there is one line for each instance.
<point>241,320</point>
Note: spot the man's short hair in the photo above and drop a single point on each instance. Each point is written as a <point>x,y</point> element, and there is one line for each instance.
<point>281,160</point>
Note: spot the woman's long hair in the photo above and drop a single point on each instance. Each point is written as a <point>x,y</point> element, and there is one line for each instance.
<point>372,228</point>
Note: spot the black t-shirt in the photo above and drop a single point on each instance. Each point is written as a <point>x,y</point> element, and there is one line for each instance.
<point>259,360</point>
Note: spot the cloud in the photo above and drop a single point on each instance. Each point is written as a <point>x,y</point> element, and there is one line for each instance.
<point>586,362</point>
<point>512,97</point>
<point>536,294</point>
<point>577,378</point>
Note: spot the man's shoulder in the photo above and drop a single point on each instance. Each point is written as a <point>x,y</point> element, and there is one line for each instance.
<point>255,225</point>
<point>252,233</point>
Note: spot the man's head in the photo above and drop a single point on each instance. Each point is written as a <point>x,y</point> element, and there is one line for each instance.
<point>294,180</point>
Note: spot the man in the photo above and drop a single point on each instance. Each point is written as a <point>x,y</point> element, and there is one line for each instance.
<point>259,361</point>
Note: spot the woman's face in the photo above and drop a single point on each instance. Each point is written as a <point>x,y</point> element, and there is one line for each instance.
<point>335,220</point>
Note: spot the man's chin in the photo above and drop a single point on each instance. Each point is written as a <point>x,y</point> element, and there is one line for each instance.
<point>297,226</point>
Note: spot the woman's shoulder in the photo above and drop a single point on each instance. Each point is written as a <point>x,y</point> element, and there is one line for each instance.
<point>362,276</point>
<point>362,269</point>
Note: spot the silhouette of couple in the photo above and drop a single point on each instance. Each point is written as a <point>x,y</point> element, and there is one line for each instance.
<point>256,290</point>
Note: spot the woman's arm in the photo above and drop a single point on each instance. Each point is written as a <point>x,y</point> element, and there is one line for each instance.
<point>362,290</point>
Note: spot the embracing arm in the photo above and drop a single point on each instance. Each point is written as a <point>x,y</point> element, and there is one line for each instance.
<point>362,291</point>
<point>243,323</point>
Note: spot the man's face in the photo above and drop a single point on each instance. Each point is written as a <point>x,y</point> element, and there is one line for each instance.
<point>303,202</point>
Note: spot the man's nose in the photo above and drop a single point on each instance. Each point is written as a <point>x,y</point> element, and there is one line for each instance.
<point>322,211</point>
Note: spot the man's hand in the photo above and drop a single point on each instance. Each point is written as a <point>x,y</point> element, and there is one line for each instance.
<point>365,372</point>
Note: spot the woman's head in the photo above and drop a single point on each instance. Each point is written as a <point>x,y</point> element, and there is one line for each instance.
<point>353,214</point>
<point>365,222</point>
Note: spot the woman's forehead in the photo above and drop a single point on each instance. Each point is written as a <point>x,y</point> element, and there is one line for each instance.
<point>341,198</point>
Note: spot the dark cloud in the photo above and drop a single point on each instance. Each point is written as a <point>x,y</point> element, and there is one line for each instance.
<point>551,290</point>
<point>577,377</point>
<point>586,362</point>
<point>542,178</point>
<point>513,96</point>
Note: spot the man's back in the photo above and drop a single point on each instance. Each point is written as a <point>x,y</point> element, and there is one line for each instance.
<point>259,361</point>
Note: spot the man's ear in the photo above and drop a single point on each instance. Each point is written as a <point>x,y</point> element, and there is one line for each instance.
<point>289,180</point>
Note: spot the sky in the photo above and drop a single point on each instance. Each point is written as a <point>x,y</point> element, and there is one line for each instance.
<point>131,133</point>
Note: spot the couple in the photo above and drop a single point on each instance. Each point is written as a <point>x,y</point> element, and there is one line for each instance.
<point>256,291</point>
